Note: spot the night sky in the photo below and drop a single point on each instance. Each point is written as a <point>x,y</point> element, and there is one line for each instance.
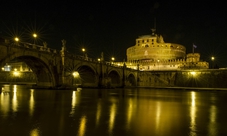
<point>111,27</point>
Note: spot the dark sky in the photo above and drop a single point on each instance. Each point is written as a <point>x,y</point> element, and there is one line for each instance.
<point>111,27</point>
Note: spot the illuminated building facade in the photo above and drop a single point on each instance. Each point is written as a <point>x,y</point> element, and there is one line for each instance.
<point>152,53</point>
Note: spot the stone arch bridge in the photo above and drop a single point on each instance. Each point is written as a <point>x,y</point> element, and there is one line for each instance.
<point>55,68</point>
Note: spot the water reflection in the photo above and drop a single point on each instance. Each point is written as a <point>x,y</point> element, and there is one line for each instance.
<point>5,103</point>
<point>31,102</point>
<point>129,113</point>
<point>82,126</point>
<point>212,123</point>
<point>113,110</point>
<point>98,113</point>
<point>35,132</point>
<point>73,103</point>
<point>193,114</point>
<point>158,114</point>
<point>14,101</point>
<point>107,112</point>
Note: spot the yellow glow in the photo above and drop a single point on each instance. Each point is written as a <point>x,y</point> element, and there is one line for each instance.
<point>83,49</point>
<point>212,58</point>
<point>34,132</point>
<point>14,100</point>
<point>213,117</point>
<point>16,73</point>
<point>113,111</point>
<point>31,102</point>
<point>34,35</point>
<point>98,59</point>
<point>193,113</point>
<point>98,113</point>
<point>193,73</point>
<point>112,58</point>
<point>73,103</point>
<point>3,68</point>
<point>82,127</point>
<point>129,113</point>
<point>75,74</point>
<point>16,39</point>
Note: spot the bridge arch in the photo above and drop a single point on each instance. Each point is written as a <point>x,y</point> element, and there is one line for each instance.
<point>131,79</point>
<point>44,74</point>
<point>87,75</point>
<point>115,78</point>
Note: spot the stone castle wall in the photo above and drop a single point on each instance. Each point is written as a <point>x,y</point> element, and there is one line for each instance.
<point>183,78</point>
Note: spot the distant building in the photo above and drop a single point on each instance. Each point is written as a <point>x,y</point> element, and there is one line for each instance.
<point>16,66</point>
<point>152,53</point>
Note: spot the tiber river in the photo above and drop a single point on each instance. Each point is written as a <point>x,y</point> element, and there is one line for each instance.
<point>112,112</point>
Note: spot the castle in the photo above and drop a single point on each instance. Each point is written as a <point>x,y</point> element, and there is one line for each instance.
<point>152,53</point>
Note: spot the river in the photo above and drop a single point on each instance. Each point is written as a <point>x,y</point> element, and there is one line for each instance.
<point>112,112</point>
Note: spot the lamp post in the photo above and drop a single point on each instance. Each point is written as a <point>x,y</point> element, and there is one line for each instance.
<point>16,39</point>
<point>83,50</point>
<point>112,59</point>
<point>212,59</point>
<point>35,36</point>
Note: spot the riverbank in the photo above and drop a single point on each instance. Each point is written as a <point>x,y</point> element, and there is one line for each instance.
<point>187,88</point>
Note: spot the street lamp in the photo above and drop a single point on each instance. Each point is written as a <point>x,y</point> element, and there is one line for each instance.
<point>75,74</point>
<point>112,59</point>
<point>83,50</point>
<point>35,36</point>
<point>16,39</point>
<point>212,59</point>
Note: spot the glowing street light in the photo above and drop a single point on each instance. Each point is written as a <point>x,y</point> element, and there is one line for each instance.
<point>112,58</point>
<point>212,59</point>
<point>83,50</point>
<point>34,35</point>
<point>75,74</point>
<point>16,39</point>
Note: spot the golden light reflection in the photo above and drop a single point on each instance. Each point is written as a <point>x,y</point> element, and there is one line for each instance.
<point>14,101</point>
<point>98,113</point>
<point>4,103</point>
<point>31,102</point>
<point>73,103</point>
<point>113,110</point>
<point>213,117</point>
<point>35,132</point>
<point>193,114</point>
<point>129,114</point>
<point>82,128</point>
<point>158,113</point>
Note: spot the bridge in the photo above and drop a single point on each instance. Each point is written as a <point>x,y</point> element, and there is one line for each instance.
<point>54,68</point>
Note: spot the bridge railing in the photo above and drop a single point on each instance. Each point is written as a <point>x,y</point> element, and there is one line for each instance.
<point>30,46</point>
<point>36,47</point>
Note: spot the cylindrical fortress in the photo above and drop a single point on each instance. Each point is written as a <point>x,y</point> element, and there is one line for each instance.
<point>153,48</point>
